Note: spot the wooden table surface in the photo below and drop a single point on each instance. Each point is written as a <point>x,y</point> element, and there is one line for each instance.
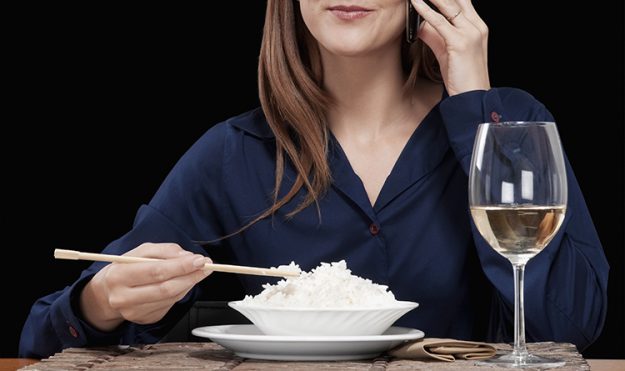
<point>607,364</point>
<point>10,364</point>
<point>210,356</point>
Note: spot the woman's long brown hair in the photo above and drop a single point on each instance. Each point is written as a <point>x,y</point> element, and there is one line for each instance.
<point>295,103</point>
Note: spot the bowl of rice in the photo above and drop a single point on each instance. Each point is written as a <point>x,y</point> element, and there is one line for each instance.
<point>327,301</point>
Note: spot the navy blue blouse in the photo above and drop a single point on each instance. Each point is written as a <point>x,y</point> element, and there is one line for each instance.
<point>418,238</point>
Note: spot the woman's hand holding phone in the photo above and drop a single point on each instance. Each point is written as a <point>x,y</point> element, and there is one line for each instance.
<point>459,39</point>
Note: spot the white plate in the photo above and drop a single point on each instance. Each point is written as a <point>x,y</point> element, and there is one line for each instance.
<point>248,342</point>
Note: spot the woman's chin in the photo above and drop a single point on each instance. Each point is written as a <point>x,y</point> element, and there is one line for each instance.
<point>349,49</point>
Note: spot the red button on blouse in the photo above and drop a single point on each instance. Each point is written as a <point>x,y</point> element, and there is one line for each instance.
<point>72,331</point>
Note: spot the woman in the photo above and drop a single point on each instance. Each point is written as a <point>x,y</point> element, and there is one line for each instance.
<point>358,153</point>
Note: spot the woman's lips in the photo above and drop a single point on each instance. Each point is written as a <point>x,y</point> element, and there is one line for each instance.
<point>348,13</point>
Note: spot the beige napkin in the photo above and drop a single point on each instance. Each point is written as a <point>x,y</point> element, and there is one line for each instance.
<point>447,350</point>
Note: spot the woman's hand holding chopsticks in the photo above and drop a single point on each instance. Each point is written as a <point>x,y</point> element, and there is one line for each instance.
<point>141,292</point>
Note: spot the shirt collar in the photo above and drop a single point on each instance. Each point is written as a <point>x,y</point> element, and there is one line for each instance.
<point>425,149</point>
<point>253,123</point>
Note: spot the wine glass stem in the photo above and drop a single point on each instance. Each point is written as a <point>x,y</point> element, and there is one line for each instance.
<point>519,314</point>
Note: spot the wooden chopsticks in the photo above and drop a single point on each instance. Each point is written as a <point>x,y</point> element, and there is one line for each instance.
<point>78,255</point>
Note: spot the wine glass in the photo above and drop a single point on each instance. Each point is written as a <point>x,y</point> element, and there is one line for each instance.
<point>517,196</point>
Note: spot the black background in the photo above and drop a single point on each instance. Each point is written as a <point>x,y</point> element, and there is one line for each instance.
<point>104,100</point>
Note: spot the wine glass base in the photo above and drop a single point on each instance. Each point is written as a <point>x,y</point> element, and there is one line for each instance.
<point>521,361</point>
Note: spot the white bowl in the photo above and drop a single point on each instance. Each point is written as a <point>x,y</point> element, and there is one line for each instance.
<point>323,321</point>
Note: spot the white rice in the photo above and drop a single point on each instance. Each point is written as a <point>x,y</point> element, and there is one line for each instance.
<point>327,286</point>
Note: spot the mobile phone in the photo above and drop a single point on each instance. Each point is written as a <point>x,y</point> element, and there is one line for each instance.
<point>413,21</point>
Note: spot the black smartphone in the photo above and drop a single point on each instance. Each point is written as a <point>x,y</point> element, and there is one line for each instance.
<point>413,21</point>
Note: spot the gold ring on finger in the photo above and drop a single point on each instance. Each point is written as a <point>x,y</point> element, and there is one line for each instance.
<point>450,19</point>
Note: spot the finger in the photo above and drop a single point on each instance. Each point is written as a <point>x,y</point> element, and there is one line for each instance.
<point>158,250</point>
<point>453,12</point>
<point>167,292</point>
<point>448,8</point>
<point>432,39</point>
<point>469,10</point>
<point>471,15</point>
<point>434,18</point>
<point>138,274</point>
<point>146,314</point>
<point>151,317</point>
<point>153,312</point>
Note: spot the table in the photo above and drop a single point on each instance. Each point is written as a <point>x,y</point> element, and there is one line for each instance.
<point>607,364</point>
<point>210,356</point>
<point>10,364</point>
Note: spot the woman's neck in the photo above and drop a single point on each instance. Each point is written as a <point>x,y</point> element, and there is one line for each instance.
<point>368,91</point>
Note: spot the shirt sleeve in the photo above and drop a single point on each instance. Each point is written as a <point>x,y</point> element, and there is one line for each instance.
<point>183,210</point>
<point>566,284</point>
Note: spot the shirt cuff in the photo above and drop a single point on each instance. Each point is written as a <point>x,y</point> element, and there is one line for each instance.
<point>462,114</point>
<point>70,328</point>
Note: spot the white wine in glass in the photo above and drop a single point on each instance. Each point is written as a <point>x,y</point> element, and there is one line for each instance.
<point>517,197</point>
